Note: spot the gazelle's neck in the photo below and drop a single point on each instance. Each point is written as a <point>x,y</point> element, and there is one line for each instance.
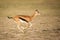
<point>33,16</point>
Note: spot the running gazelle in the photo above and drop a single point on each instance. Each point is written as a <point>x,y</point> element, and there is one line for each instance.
<point>24,19</point>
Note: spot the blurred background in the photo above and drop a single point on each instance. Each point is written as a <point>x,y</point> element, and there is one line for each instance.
<point>44,27</point>
<point>16,7</point>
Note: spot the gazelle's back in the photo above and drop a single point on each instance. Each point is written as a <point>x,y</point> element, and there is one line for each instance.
<point>28,18</point>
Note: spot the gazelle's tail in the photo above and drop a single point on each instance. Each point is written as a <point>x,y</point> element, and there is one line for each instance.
<point>9,17</point>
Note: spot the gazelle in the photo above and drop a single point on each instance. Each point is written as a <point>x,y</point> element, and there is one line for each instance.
<point>25,19</point>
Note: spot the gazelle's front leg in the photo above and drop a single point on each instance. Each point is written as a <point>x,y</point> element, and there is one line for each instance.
<point>28,25</point>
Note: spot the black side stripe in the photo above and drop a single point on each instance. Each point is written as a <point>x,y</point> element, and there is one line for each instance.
<point>23,19</point>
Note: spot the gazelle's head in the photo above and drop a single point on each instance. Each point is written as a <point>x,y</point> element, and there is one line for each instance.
<point>37,12</point>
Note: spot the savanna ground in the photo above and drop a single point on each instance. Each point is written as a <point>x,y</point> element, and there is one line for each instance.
<point>44,27</point>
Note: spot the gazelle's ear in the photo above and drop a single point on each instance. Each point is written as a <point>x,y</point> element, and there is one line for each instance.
<point>37,10</point>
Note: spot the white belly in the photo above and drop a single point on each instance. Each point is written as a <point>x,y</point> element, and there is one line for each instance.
<point>22,21</point>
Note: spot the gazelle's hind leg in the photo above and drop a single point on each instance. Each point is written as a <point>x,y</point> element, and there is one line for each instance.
<point>18,25</point>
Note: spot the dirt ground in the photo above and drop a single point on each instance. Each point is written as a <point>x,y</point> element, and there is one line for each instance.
<point>46,28</point>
